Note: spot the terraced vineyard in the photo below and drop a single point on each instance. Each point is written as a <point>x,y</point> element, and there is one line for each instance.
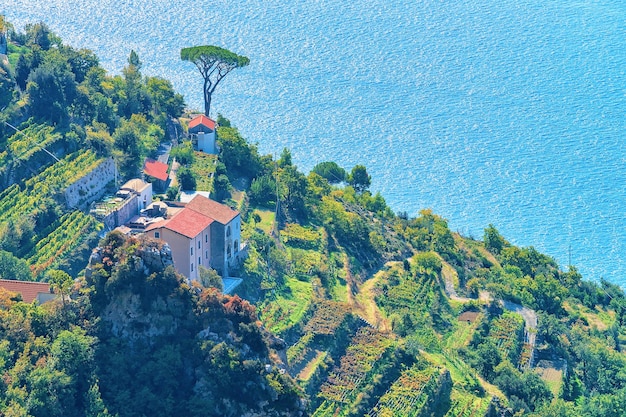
<point>346,382</point>
<point>410,395</point>
<point>50,243</point>
<point>401,298</point>
<point>32,139</point>
<point>15,202</point>
<point>324,337</point>
<point>507,331</point>
<point>465,405</point>
<point>64,173</point>
<point>73,228</point>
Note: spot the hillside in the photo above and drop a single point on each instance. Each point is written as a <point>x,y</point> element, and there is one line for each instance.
<point>346,308</point>
<point>67,132</point>
<point>370,302</point>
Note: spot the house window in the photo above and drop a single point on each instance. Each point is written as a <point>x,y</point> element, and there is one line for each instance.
<point>157,235</point>
<point>206,238</point>
<point>206,254</point>
<point>192,267</point>
<point>228,252</point>
<point>199,260</point>
<point>199,243</point>
<point>228,231</point>
<point>191,250</point>
<point>236,247</point>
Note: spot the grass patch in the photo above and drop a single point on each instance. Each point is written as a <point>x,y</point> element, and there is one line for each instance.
<point>339,291</point>
<point>288,308</point>
<point>552,374</point>
<point>461,334</point>
<point>599,318</point>
<point>14,53</point>
<point>203,167</point>
<point>312,366</point>
<point>267,220</point>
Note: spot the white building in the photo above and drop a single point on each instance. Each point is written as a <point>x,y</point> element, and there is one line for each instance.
<point>202,132</point>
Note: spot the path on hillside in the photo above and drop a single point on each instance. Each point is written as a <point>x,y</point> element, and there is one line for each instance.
<point>366,304</point>
<point>529,315</point>
<point>363,300</point>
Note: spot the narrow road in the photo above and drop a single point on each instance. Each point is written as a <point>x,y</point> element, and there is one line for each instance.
<point>529,315</point>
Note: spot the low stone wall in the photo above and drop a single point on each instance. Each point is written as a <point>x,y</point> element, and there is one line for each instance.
<point>122,214</point>
<point>129,209</point>
<point>92,186</point>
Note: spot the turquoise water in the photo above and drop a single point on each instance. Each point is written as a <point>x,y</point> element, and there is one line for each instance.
<point>510,112</point>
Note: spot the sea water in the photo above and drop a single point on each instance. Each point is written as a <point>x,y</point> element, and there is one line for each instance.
<point>509,112</point>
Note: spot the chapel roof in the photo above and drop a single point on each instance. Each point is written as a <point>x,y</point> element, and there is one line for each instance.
<point>202,120</point>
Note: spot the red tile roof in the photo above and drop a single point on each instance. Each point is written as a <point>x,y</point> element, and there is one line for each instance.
<point>186,222</point>
<point>28,289</point>
<point>202,120</point>
<point>220,212</point>
<point>155,169</point>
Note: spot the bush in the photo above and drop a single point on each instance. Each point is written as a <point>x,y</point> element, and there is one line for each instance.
<point>186,178</point>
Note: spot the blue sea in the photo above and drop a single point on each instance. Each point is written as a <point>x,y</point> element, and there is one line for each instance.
<point>510,112</point>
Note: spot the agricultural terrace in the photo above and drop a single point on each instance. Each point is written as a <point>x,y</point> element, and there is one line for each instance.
<point>64,173</point>
<point>46,240</point>
<point>464,404</point>
<point>287,308</point>
<point>368,350</point>
<point>411,395</point>
<point>328,317</point>
<point>203,169</point>
<point>71,231</point>
<point>24,144</point>
<point>17,203</point>
<point>507,333</point>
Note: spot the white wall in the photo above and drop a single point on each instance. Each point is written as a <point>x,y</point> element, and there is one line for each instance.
<point>206,142</point>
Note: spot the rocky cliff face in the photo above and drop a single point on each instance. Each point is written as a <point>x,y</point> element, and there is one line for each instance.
<point>213,351</point>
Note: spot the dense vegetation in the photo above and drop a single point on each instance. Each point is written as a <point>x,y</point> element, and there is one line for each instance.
<point>137,340</point>
<point>317,245</point>
<point>378,313</point>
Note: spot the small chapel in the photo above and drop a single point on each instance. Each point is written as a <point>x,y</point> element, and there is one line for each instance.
<point>202,132</point>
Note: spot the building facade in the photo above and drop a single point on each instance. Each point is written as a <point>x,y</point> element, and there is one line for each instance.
<point>189,236</point>
<point>205,233</point>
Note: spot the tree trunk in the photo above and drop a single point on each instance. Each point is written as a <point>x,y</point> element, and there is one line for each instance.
<point>207,96</point>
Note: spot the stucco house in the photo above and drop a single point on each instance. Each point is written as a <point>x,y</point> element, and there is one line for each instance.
<point>225,232</point>
<point>188,234</point>
<point>202,132</point>
<point>204,233</point>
